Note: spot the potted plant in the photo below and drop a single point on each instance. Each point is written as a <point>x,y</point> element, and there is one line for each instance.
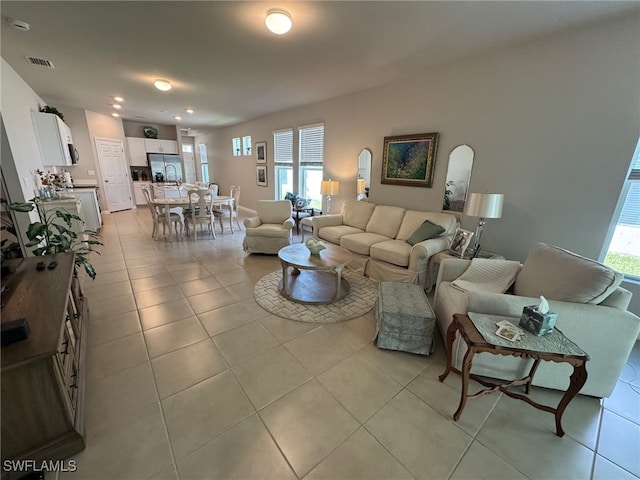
<point>49,237</point>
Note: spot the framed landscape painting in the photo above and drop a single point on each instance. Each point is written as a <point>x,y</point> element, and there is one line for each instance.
<point>261,152</point>
<point>261,175</point>
<point>410,159</point>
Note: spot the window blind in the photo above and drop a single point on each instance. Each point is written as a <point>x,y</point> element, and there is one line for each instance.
<point>283,146</point>
<point>311,140</point>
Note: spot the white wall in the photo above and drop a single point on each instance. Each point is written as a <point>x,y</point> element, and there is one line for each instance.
<point>553,124</point>
<point>23,156</point>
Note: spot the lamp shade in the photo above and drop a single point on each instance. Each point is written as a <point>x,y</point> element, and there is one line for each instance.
<point>484,205</point>
<point>360,186</point>
<point>329,187</point>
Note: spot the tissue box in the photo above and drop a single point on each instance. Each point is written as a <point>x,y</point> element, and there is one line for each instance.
<point>537,323</point>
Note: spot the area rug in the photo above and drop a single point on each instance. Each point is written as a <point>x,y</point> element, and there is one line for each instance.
<point>359,301</point>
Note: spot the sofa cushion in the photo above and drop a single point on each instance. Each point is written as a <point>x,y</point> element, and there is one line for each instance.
<point>562,275</point>
<point>273,211</point>
<point>396,252</point>
<point>271,230</point>
<point>361,242</point>
<point>414,218</point>
<point>385,220</point>
<point>427,230</point>
<point>334,233</point>
<point>357,214</point>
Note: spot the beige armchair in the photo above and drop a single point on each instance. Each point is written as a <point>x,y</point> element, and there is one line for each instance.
<point>591,308</point>
<point>270,229</point>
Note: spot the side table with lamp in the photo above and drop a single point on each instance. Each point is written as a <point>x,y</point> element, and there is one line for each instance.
<point>483,205</point>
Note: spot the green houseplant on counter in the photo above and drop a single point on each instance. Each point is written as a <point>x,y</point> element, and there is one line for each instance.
<point>49,236</point>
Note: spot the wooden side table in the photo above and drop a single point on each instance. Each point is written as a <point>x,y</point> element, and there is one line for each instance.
<point>554,347</point>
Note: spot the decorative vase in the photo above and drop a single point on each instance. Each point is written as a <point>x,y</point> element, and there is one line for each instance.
<point>314,246</point>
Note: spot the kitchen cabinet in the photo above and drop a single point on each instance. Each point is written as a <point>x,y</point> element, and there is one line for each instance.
<point>43,376</point>
<point>54,139</point>
<point>71,205</point>
<point>137,192</point>
<point>154,145</point>
<point>136,152</point>
<point>90,207</point>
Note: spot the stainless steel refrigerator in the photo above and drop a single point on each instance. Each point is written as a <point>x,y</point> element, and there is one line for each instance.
<point>165,168</point>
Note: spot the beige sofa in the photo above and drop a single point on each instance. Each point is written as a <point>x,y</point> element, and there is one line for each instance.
<point>591,308</point>
<point>376,236</point>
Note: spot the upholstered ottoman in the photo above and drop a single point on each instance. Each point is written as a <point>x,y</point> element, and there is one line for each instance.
<point>404,318</point>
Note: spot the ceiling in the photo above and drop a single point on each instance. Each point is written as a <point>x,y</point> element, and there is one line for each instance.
<point>229,68</point>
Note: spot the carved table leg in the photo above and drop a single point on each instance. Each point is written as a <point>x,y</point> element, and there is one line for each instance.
<point>451,336</point>
<point>466,366</point>
<point>285,280</point>
<point>576,382</point>
<point>338,281</point>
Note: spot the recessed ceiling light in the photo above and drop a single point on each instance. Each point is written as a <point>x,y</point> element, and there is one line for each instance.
<point>189,110</point>
<point>117,106</point>
<point>118,99</point>
<point>19,24</point>
<point>177,117</point>
<point>115,114</point>
<point>161,84</point>
<point>278,21</point>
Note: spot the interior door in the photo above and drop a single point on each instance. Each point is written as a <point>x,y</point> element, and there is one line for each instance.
<point>115,174</point>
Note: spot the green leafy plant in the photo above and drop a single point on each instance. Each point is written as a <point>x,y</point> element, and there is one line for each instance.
<point>49,236</point>
<point>9,247</point>
<point>54,110</point>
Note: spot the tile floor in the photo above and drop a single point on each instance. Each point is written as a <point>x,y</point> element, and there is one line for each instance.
<point>187,377</point>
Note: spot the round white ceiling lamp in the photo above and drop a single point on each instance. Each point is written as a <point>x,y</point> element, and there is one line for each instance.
<point>278,21</point>
<point>189,111</point>
<point>117,106</point>
<point>19,24</point>
<point>118,99</point>
<point>177,117</point>
<point>161,84</point>
<point>115,114</point>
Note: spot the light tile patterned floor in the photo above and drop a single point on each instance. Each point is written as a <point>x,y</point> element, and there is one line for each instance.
<point>187,377</point>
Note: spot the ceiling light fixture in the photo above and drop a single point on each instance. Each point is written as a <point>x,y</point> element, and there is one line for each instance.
<point>161,84</point>
<point>117,106</point>
<point>177,117</point>
<point>115,114</point>
<point>189,110</point>
<point>118,99</point>
<point>278,21</point>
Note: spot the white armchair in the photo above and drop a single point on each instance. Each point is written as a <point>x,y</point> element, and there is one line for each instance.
<point>591,308</point>
<point>270,229</point>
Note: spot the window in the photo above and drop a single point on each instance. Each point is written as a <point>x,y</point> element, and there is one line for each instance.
<point>283,162</point>
<point>237,147</point>
<point>311,139</point>
<point>623,251</point>
<point>306,170</point>
<point>204,162</point>
<point>246,145</point>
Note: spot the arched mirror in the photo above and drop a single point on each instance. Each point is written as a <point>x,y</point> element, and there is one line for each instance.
<point>458,177</point>
<point>364,173</point>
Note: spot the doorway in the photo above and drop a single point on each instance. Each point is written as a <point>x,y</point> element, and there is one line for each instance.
<point>115,174</point>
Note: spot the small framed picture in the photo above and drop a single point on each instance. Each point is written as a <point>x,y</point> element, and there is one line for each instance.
<point>261,152</point>
<point>460,242</point>
<point>261,176</point>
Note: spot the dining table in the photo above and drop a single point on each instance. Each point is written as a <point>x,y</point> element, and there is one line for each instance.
<point>225,201</point>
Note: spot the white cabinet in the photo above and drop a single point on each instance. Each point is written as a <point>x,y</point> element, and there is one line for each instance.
<point>54,139</point>
<point>136,152</point>
<point>90,208</point>
<point>137,192</point>
<point>72,206</point>
<point>154,145</point>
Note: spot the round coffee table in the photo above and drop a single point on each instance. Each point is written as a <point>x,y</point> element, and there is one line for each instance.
<point>314,279</point>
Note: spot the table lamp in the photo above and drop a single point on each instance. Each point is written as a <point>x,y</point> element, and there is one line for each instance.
<point>361,188</point>
<point>329,187</point>
<point>483,205</point>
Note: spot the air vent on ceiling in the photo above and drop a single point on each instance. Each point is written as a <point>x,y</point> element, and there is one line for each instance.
<point>140,116</point>
<point>39,61</point>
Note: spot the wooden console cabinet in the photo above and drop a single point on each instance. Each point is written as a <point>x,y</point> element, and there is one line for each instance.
<point>43,376</point>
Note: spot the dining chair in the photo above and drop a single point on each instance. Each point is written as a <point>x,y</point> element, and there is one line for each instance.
<point>159,217</point>
<point>200,211</point>
<point>234,191</point>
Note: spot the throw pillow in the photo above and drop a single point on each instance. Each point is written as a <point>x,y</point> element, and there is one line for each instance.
<point>424,232</point>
